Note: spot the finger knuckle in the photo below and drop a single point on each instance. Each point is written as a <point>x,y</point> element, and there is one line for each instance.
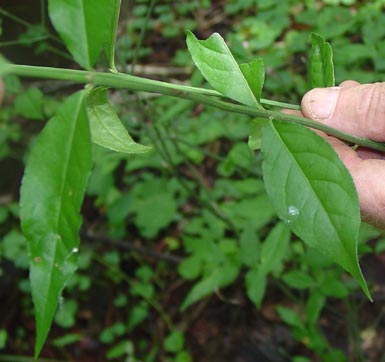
<point>371,110</point>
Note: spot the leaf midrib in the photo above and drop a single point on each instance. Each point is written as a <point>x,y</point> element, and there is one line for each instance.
<point>311,187</point>
<point>62,186</point>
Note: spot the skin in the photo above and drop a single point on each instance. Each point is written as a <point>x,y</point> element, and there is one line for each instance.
<point>358,109</point>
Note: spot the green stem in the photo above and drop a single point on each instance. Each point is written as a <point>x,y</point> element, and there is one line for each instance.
<point>20,21</point>
<point>16,19</point>
<point>42,13</point>
<point>199,95</point>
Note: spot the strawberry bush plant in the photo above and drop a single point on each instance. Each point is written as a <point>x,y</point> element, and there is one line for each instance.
<point>308,186</point>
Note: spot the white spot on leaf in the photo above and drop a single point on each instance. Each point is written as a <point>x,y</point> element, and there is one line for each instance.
<point>292,214</point>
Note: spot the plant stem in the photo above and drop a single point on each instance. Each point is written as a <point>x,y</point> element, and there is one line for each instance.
<point>199,95</point>
<point>16,19</point>
<point>42,13</point>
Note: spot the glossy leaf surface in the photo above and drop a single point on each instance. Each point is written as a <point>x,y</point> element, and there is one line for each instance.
<point>51,195</point>
<point>106,128</point>
<point>313,192</point>
<point>84,26</point>
<point>321,65</point>
<point>218,66</point>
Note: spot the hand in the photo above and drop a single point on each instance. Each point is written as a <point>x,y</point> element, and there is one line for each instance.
<point>359,110</point>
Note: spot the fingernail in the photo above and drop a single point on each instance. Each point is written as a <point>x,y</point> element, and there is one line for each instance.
<point>320,102</point>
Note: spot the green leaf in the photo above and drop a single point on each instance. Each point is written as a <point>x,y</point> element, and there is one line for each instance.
<point>290,317</point>
<point>138,314</point>
<point>65,316</point>
<point>218,66</point>
<point>274,248</point>
<point>155,213</point>
<point>256,128</point>
<point>321,63</point>
<point>256,285</point>
<point>111,35</point>
<point>67,339</point>
<point>29,104</point>
<point>3,338</point>
<point>190,267</point>
<point>254,73</point>
<point>183,356</point>
<point>219,277</point>
<point>203,288</point>
<point>298,279</point>
<point>106,128</point>
<point>250,246</point>
<point>314,305</point>
<point>174,342</point>
<point>84,26</point>
<point>313,192</point>
<point>335,288</point>
<point>51,195</point>
<point>123,348</point>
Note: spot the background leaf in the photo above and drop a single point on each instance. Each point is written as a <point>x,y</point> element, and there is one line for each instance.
<point>255,280</point>
<point>84,26</point>
<point>215,61</point>
<point>29,104</point>
<point>273,251</point>
<point>51,195</point>
<point>321,63</point>
<point>106,128</point>
<point>249,246</point>
<point>274,248</point>
<point>313,192</point>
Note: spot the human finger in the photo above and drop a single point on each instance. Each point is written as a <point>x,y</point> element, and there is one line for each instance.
<point>352,108</point>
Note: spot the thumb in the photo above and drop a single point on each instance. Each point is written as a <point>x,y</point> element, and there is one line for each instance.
<point>357,109</point>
